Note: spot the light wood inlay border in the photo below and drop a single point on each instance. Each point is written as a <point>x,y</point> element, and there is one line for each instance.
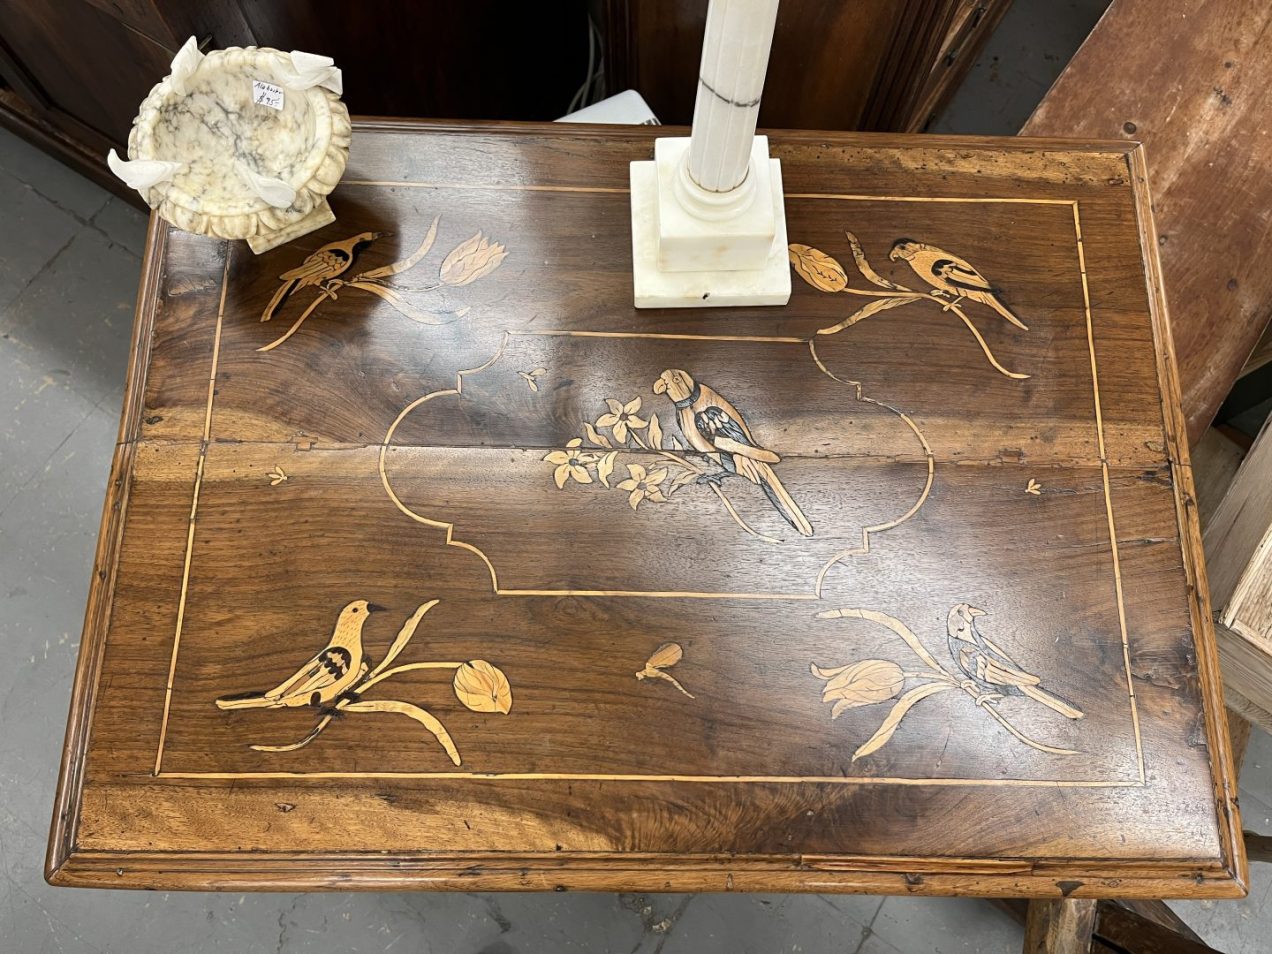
<point>1140,782</point>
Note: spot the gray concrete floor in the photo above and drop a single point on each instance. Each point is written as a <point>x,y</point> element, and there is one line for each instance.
<point>68,278</point>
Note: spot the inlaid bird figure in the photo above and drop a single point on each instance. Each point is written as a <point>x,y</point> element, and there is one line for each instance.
<point>989,668</point>
<point>714,426</point>
<point>336,668</point>
<point>951,275</point>
<point>330,261</point>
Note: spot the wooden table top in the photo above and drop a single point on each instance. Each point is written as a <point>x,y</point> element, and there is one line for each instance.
<point>434,564</point>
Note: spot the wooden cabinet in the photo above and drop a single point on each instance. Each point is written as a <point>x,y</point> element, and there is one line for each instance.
<point>870,64</point>
<point>73,71</point>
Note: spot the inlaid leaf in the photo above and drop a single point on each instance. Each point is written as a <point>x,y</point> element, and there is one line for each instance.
<point>674,443</point>
<point>893,720</point>
<point>685,477</point>
<point>817,268</point>
<point>404,306</point>
<point>606,467</point>
<point>822,673</point>
<point>483,687</point>
<point>595,436</point>
<point>404,636</point>
<point>876,306</point>
<point>426,719</point>
<point>396,267</point>
<point>859,257</point>
<point>655,433</point>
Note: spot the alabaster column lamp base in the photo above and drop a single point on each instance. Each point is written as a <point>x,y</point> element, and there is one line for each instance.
<point>243,143</point>
<point>708,224</point>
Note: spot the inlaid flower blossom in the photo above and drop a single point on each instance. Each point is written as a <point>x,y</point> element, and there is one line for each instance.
<point>621,417</point>
<point>571,462</point>
<point>472,259</point>
<point>643,485</point>
<point>860,684</point>
<point>663,468</point>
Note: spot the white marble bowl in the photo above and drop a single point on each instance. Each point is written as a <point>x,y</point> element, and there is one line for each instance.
<point>211,158</point>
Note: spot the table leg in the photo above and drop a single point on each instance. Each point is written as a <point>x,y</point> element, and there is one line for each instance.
<point>1239,733</point>
<point>1060,927</point>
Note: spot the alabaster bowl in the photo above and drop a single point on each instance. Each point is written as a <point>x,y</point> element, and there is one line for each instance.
<point>242,143</point>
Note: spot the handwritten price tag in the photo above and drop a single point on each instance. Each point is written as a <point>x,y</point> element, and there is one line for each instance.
<point>267,94</point>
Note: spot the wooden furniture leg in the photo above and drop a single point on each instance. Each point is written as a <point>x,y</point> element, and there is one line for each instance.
<point>1239,733</point>
<point>1147,927</point>
<point>1119,928</point>
<point>1060,927</point>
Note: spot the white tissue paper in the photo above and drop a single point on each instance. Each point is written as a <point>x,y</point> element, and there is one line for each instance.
<point>185,63</point>
<point>142,174</point>
<point>309,69</point>
<point>274,191</point>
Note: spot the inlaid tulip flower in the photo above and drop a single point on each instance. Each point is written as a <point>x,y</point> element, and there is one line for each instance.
<point>860,684</point>
<point>472,259</point>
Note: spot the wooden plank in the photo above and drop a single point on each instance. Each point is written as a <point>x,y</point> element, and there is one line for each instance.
<point>1156,911</point>
<point>1194,84</point>
<point>1216,458</point>
<point>1260,356</point>
<point>1239,548</point>
<point>1259,847</point>
<point>1060,927</point>
<point>1128,931</point>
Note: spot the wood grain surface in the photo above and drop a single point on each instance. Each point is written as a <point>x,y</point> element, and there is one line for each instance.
<point>458,572</point>
<point>1193,83</point>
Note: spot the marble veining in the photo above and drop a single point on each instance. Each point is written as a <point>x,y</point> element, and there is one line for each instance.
<point>238,168</point>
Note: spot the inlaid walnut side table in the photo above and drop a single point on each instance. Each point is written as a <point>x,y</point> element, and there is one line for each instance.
<point>429,562</point>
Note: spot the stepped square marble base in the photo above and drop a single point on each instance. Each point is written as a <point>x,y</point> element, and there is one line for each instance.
<point>692,248</point>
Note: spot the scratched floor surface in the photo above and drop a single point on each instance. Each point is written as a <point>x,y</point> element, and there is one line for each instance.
<point>68,274</point>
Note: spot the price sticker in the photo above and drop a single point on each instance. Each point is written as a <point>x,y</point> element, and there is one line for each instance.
<point>267,94</point>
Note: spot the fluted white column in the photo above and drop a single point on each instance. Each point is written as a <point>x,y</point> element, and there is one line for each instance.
<point>708,215</point>
<point>735,53</point>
